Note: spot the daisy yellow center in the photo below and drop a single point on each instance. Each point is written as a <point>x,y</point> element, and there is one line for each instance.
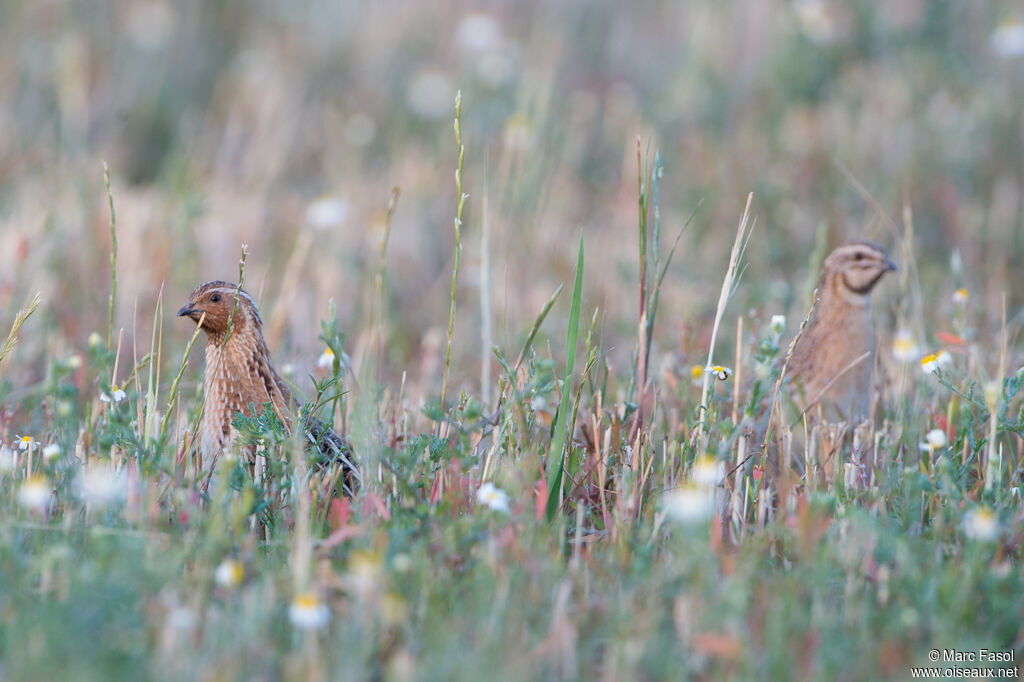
<point>306,601</point>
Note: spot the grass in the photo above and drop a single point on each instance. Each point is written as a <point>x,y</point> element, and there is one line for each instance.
<point>661,551</point>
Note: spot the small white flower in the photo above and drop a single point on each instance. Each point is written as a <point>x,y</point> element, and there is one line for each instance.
<point>116,391</point>
<point>929,364</point>
<point>229,573</point>
<point>308,613</point>
<point>721,373</point>
<point>707,471</point>
<point>51,451</point>
<point>981,524</point>
<point>95,340</point>
<point>8,459</point>
<point>689,505</point>
<point>491,496</point>
<point>944,358</point>
<point>934,439</point>
<point>1008,39</point>
<point>697,375</point>
<point>25,442</point>
<point>35,493</point>
<point>99,483</point>
<point>326,359</point>
<point>778,324</point>
<point>904,348</point>
<point>960,296</point>
<point>327,212</point>
<point>73,362</point>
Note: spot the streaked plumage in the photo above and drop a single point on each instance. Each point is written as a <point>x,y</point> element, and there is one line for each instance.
<point>824,367</point>
<point>239,374</point>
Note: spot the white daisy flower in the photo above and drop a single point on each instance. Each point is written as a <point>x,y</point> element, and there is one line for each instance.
<point>934,439</point>
<point>721,373</point>
<point>493,497</point>
<point>229,573</point>
<point>307,612</point>
<point>981,524</point>
<point>689,505</point>
<point>326,359</point>
<point>51,451</point>
<point>904,347</point>
<point>35,493</point>
<point>116,392</point>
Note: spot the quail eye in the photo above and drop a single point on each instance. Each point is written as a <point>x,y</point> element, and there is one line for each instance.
<point>216,297</point>
<point>858,256</point>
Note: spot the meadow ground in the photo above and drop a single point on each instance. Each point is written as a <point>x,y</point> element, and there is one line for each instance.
<point>572,252</point>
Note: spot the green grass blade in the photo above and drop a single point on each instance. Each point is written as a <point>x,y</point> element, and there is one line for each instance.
<point>558,442</point>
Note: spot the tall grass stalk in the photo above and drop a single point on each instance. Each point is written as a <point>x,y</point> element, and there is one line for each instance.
<point>113,256</point>
<point>728,286</point>
<point>559,441</point>
<point>19,321</point>
<point>462,196</point>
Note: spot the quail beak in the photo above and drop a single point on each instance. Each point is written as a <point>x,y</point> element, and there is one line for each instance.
<point>186,311</point>
<point>889,264</point>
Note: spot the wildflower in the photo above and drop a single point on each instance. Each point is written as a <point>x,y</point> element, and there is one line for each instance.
<point>326,359</point>
<point>721,373</point>
<point>707,471</point>
<point>981,524</point>
<point>35,493</point>
<point>690,504</point>
<point>904,348</point>
<point>929,364</point>
<point>778,325</point>
<point>992,391</point>
<point>960,296</point>
<point>95,340</point>
<point>493,497</point>
<point>327,212</point>
<point>934,439</point>
<point>99,483</point>
<point>697,375</point>
<point>229,573</point>
<point>8,459</point>
<point>115,391</point>
<point>307,612</point>
<point>51,451</point>
<point>933,362</point>
<point>1008,39</point>
<point>24,442</point>
<point>73,362</point>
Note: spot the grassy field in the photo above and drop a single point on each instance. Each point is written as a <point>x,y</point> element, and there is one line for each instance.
<point>619,195</point>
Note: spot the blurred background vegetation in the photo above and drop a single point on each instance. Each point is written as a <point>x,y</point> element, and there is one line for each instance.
<point>285,126</point>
